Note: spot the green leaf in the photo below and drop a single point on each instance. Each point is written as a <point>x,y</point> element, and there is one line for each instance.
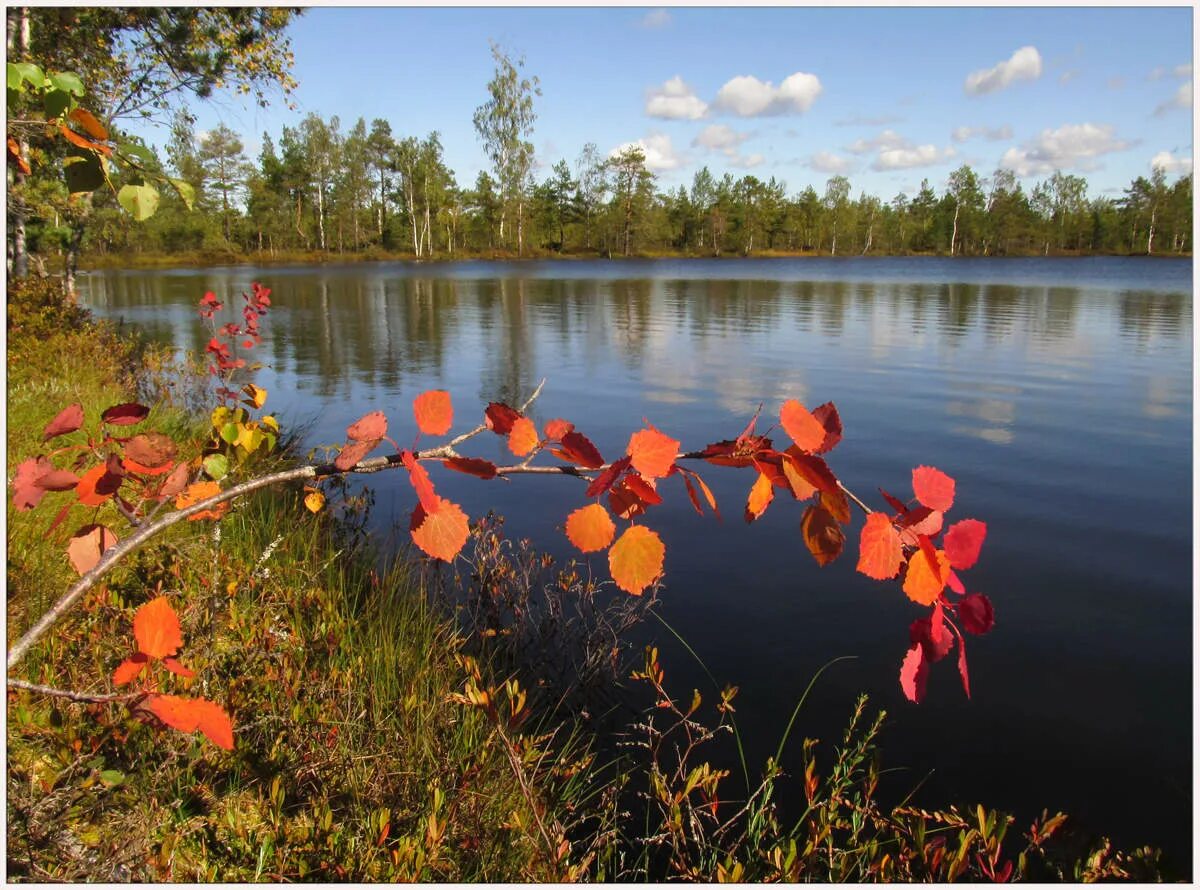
<point>112,777</point>
<point>143,154</point>
<point>14,77</point>
<point>67,82</point>
<point>56,102</point>
<point>83,173</point>
<point>230,432</point>
<point>140,201</point>
<point>217,466</point>
<point>186,193</point>
<point>32,73</point>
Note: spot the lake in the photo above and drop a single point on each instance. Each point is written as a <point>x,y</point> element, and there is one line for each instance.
<point>1057,392</point>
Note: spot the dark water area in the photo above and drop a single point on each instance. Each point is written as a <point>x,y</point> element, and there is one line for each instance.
<point>1057,392</point>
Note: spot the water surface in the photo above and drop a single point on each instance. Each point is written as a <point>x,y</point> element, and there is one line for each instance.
<point>1057,392</point>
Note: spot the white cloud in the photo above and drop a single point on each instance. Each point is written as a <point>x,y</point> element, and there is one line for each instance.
<point>674,100</point>
<point>885,140</point>
<point>859,121</point>
<point>913,156</point>
<point>828,162</point>
<point>1071,145</point>
<point>747,96</point>
<point>656,18</point>
<point>1024,64</point>
<point>746,161</point>
<point>719,137</point>
<point>1168,163</point>
<point>1182,71</point>
<point>992,134</point>
<point>1181,99</point>
<point>660,154</point>
<point>1158,73</point>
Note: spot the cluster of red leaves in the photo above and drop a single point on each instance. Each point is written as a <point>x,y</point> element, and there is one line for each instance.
<point>906,539</point>
<point>224,342</point>
<point>158,636</point>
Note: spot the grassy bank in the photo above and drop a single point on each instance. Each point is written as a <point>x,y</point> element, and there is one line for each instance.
<point>380,731</point>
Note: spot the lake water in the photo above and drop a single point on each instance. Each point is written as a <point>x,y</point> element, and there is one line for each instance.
<point>1058,393</point>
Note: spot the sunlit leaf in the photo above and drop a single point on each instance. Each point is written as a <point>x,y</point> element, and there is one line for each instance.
<point>88,145</point>
<point>176,482</point>
<point>823,536</point>
<point>933,488</point>
<point>925,580</point>
<point>522,437</point>
<point>557,428</point>
<point>433,412</point>
<point>813,469</point>
<point>804,429</point>
<point>828,416</point>
<point>26,494</point>
<point>129,669</point>
<point>368,428</point>
<point>88,121</point>
<point>879,553</point>
<point>66,81</point>
<point>963,542</point>
<point>192,714</point>
<point>636,559</point>
<point>442,533</point>
<point>644,489</point>
<point>216,466</point>
<point>760,497</point>
<point>256,394</point>
<point>578,449</point>
<point>590,528</point>
<point>652,453</point>
<point>962,668</point>
<point>87,545</point>
<point>624,502</point>
<point>314,501</point>
<point>96,486</point>
<point>421,483</point>
<point>177,668</point>
<point>66,421</point>
<point>914,673</point>
<point>798,483</point>
<point>139,201</point>
<point>353,453</point>
<point>156,628</point>
<point>197,492</point>
<point>837,504</point>
<point>473,466</point>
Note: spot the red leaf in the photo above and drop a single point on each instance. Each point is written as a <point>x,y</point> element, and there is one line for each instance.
<point>125,414</point>
<point>557,428</point>
<point>368,428</point>
<point>813,469</point>
<point>644,490</point>
<point>580,450</point>
<point>421,482</point>
<point>472,466</point>
<point>156,628</point>
<point>822,534</point>
<point>151,449</point>
<point>59,517</point>
<point>26,494</point>
<point>963,542</point>
<point>499,418</point>
<point>87,545</point>
<point>975,611</point>
<point>962,666</point>
<point>441,533</point>
<point>624,502</point>
<point>760,497</point>
<point>434,412</point>
<point>933,488</point>
<point>636,559</point>
<point>590,528</point>
<point>829,418</point>
<point>129,669</point>
<point>66,421</point>
<point>605,480</point>
<point>914,673</point>
<point>354,452</point>
<point>805,430</point>
<point>191,714</point>
<point>921,631</point>
<point>652,452</point>
<point>798,483</point>
<point>96,486</point>
<point>955,583</point>
<point>522,437</point>
<point>895,503</point>
<point>879,551</point>
<point>57,480</point>
<point>770,464</point>
<point>691,492</point>
<point>14,155</point>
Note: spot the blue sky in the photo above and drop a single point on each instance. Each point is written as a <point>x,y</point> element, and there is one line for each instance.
<point>885,96</point>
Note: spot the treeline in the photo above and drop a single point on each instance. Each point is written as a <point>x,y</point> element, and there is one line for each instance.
<point>321,188</point>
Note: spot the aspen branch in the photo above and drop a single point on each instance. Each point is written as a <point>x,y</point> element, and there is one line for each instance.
<point>72,695</point>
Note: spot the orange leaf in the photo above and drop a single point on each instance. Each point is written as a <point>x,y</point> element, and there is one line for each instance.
<point>652,452</point>
<point>88,121</point>
<point>813,469</point>
<point>191,714</point>
<point>421,482</point>
<point>806,431</point>
<point>708,495</point>
<point>557,428</point>
<point>156,629</point>
<point>761,494</point>
<point>822,534</point>
<point>175,667</point>
<point>933,488</point>
<point>522,437</point>
<point>590,528</point>
<point>923,582</point>
<point>75,139</point>
<point>96,486</point>
<point>142,470</point>
<point>433,412</point>
<point>879,553</point>
<point>88,545</point>
<point>197,492</point>
<point>129,669</point>
<point>636,559</point>
<point>14,155</point>
<point>473,466</point>
<point>151,449</point>
<point>442,533</point>
<point>837,504</point>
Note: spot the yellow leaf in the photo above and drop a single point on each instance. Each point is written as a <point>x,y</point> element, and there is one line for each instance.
<point>314,500</point>
<point>636,559</point>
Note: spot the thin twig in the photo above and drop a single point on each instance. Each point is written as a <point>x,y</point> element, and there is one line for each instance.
<point>72,694</point>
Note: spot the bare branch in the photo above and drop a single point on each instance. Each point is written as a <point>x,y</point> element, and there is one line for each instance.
<point>72,694</point>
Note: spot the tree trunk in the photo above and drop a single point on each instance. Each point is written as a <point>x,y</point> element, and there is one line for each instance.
<point>18,49</point>
<point>321,214</point>
<point>1150,237</point>
<point>954,233</point>
<point>71,263</point>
